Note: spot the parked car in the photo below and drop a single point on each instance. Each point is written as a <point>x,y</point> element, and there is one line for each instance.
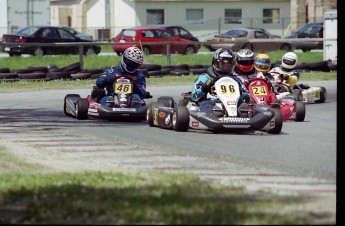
<point>180,32</point>
<point>79,34</point>
<point>308,30</point>
<point>245,38</point>
<point>160,36</point>
<point>44,34</point>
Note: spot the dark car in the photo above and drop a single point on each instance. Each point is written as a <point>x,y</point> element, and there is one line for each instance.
<point>45,34</point>
<point>159,37</point>
<point>256,39</point>
<point>308,30</point>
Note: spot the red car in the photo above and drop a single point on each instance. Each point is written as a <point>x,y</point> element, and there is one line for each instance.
<point>144,36</point>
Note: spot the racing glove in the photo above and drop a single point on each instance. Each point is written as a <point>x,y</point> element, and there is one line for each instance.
<point>207,86</point>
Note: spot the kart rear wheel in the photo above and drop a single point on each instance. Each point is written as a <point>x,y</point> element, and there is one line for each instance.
<point>181,119</point>
<point>278,122</point>
<point>65,102</point>
<point>81,108</point>
<point>323,95</point>
<point>149,113</point>
<point>300,111</point>
<point>297,95</point>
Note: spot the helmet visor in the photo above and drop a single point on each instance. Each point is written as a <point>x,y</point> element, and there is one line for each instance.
<point>245,62</point>
<point>225,64</point>
<point>130,65</point>
<point>289,61</point>
<point>263,63</point>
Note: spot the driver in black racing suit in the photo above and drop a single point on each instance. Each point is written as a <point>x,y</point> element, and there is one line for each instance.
<point>223,63</point>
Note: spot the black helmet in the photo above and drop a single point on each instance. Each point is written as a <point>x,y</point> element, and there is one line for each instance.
<point>224,60</point>
<point>132,59</point>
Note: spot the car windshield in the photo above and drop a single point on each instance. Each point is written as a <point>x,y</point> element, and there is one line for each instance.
<point>128,33</point>
<point>235,33</point>
<point>27,31</point>
<point>308,28</point>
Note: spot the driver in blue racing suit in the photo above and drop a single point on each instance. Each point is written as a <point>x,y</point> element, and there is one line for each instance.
<point>223,63</point>
<point>131,60</point>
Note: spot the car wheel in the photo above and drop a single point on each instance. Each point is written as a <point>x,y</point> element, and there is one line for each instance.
<point>286,47</point>
<point>181,119</point>
<point>300,111</point>
<point>278,122</point>
<point>146,50</point>
<point>306,50</point>
<point>189,50</point>
<point>119,53</point>
<point>90,51</point>
<point>14,54</point>
<point>81,108</point>
<point>38,51</point>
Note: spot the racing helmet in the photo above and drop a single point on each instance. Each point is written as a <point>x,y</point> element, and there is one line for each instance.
<point>262,63</point>
<point>132,59</point>
<point>245,60</point>
<point>289,60</point>
<point>223,60</point>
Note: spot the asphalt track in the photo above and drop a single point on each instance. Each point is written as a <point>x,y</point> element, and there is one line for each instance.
<point>302,159</point>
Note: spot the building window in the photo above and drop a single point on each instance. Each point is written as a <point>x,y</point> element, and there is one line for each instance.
<point>195,16</point>
<point>271,16</point>
<point>155,16</point>
<point>233,16</point>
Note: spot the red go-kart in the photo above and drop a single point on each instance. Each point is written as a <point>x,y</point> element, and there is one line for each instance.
<point>262,92</point>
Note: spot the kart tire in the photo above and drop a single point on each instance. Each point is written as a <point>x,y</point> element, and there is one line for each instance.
<point>300,111</point>
<point>82,107</point>
<point>276,103</point>
<point>65,102</point>
<point>149,113</point>
<point>181,119</point>
<point>297,95</point>
<point>323,95</point>
<point>168,100</point>
<point>278,122</point>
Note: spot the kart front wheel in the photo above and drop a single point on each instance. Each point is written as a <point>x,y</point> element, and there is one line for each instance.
<point>81,108</point>
<point>297,95</point>
<point>65,107</point>
<point>323,95</point>
<point>278,122</point>
<point>300,111</point>
<point>168,100</point>
<point>181,119</point>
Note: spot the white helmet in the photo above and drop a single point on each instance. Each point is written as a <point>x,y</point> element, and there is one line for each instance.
<point>289,60</point>
<point>132,59</point>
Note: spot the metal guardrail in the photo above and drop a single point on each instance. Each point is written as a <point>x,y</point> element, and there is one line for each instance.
<point>168,54</point>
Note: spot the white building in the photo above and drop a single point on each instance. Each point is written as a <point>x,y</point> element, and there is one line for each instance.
<point>204,18</point>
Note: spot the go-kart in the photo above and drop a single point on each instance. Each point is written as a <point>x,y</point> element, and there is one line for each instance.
<point>301,91</point>
<point>226,115</point>
<point>118,107</point>
<point>262,92</point>
<point>315,94</point>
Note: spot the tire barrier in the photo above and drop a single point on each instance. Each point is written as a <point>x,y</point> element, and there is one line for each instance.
<point>73,71</point>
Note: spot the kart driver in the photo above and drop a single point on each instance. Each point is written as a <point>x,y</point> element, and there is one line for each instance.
<point>262,65</point>
<point>223,62</point>
<point>244,68</point>
<point>286,73</point>
<point>131,60</point>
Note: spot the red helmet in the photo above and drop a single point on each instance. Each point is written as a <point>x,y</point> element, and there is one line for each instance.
<point>245,60</point>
